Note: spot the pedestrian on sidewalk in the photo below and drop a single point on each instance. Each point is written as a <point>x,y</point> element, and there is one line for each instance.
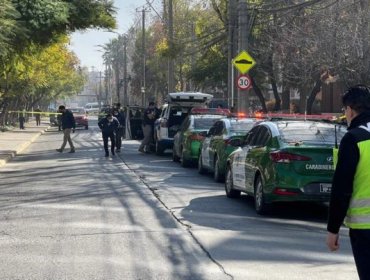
<point>38,115</point>
<point>109,126</point>
<point>68,124</point>
<point>350,195</point>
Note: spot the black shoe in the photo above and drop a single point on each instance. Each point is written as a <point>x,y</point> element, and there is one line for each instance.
<point>118,150</point>
<point>72,151</point>
<point>59,150</point>
<point>113,154</point>
<point>106,154</point>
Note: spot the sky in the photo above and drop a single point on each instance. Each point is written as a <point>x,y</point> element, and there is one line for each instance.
<point>85,44</point>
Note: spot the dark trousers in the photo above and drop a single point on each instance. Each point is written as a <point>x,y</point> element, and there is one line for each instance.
<point>21,122</point>
<point>360,242</point>
<point>112,137</point>
<point>119,138</point>
<point>38,120</point>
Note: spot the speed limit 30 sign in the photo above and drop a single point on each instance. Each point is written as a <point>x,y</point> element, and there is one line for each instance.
<point>244,82</point>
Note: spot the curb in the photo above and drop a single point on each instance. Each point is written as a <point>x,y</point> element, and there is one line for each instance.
<point>7,157</point>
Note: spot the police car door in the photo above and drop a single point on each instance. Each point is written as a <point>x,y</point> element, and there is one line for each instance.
<point>239,161</point>
<point>205,146</point>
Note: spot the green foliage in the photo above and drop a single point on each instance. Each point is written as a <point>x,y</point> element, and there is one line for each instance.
<point>45,20</point>
<point>210,70</point>
<point>40,74</point>
<point>8,26</point>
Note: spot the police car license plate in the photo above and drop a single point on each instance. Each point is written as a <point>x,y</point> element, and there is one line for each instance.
<point>325,188</point>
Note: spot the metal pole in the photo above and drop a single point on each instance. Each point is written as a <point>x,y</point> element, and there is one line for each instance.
<point>171,63</point>
<point>231,50</point>
<point>100,89</point>
<point>243,97</point>
<point>232,102</point>
<point>125,78</point>
<point>144,58</point>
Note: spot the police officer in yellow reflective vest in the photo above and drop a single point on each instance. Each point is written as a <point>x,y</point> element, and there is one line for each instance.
<point>350,197</point>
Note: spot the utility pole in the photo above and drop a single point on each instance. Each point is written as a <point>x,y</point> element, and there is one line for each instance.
<point>125,78</point>
<point>117,79</point>
<point>192,63</point>
<point>144,59</point>
<point>231,52</point>
<point>243,96</point>
<point>143,53</point>
<point>171,62</point>
<point>106,81</point>
<point>100,90</point>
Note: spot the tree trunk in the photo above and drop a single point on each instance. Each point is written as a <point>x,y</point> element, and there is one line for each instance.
<point>285,98</point>
<point>270,67</point>
<point>365,38</point>
<point>311,99</point>
<point>259,94</point>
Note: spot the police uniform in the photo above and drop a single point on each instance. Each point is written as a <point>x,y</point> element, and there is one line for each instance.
<point>350,197</point>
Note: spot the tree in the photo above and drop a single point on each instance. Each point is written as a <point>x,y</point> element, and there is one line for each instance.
<point>34,28</point>
<point>9,26</point>
<point>45,20</point>
<point>42,74</point>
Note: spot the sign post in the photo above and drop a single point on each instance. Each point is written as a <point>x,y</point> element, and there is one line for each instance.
<point>244,62</point>
<point>244,82</point>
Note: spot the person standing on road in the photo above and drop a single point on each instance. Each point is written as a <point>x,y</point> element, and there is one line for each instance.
<point>22,119</point>
<point>147,125</point>
<point>59,120</point>
<point>109,126</point>
<point>38,116</point>
<point>350,196</point>
<point>119,116</point>
<point>68,124</point>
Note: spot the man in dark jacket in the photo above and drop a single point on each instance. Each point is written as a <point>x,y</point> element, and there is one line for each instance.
<point>350,196</point>
<point>68,124</point>
<point>119,116</point>
<point>109,126</point>
<point>38,115</point>
<point>148,125</point>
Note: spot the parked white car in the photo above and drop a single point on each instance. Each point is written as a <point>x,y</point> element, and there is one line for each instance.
<point>92,108</point>
<point>173,113</point>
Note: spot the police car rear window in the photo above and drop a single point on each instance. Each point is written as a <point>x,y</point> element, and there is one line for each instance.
<point>313,133</point>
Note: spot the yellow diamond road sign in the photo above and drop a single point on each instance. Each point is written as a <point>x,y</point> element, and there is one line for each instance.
<point>244,62</point>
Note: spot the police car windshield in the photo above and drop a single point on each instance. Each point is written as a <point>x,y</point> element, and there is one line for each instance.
<point>240,127</point>
<point>205,122</point>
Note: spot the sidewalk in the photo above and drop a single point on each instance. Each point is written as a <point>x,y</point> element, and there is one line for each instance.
<point>15,141</point>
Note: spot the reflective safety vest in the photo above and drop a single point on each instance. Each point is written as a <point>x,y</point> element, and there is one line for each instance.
<point>358,214</point>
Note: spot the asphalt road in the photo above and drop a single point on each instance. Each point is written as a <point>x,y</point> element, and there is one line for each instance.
<point>140,216</point>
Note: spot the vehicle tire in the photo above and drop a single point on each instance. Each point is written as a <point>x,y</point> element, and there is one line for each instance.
<point>259,198</point>
<point>184,161</point>
<point>201,169</point>
<point>229,185</point>
<point>175,158</point>
<point>217,176</point>
<point>159,150</point>
<point>86,127</point>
